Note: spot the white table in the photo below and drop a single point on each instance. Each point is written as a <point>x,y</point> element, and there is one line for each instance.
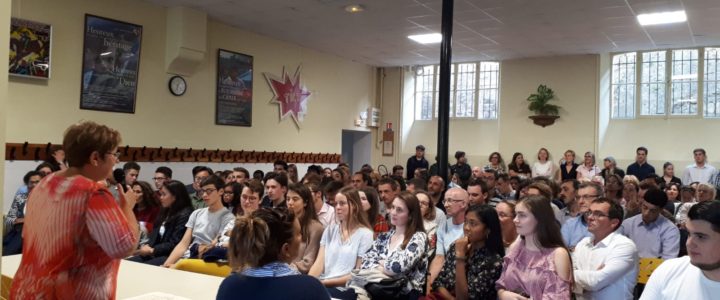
<point>135,279</point>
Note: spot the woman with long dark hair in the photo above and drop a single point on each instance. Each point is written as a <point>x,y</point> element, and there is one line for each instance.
<point>169,227</point>
<point>147,208</point>
<point>371,205</point>
<point>518,166</point>
<point>474,262</point>
<point>401,251</point>
<point>538,265</point>
<point>231,196</point>
<point>300,202</point>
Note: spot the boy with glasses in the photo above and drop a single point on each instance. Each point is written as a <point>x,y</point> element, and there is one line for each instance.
<point>205,224</point>
<point>200,173</point>
<point>162,175</point>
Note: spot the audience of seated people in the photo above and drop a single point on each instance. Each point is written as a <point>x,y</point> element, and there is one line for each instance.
<point>490,234</point>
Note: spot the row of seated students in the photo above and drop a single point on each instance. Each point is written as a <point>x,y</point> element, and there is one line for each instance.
<point>356,231</point>
<point>345,251</point>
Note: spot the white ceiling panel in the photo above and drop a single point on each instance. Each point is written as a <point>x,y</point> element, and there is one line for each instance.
<point>483,29</point>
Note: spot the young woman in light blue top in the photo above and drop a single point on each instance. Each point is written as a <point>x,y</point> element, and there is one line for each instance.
<point>343,243</point>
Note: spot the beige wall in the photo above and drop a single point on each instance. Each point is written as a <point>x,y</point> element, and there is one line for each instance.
<point>478,138</point>
<point>573,78</point>
<point>4,36</point>
<point>341,88</point>
<point>391,87</point>
<point>581,85</point>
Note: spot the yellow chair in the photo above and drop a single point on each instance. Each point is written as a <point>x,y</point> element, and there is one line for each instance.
<point>5,282</point>
<point>202,267</point>
<point>647,266</point>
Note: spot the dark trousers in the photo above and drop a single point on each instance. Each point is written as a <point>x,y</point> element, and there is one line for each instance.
<point>150,260</point>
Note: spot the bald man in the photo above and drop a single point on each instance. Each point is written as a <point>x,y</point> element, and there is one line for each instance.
<point>456,203</point>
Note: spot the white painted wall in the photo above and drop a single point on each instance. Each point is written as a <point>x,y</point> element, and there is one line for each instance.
<point>581,84</point>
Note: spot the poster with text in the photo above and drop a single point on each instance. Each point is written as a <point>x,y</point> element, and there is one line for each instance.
<point>29,49</point>
<point>111,61</point>
<point>234,89</point>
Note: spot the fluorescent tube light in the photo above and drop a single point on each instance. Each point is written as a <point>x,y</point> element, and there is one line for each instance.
<point>662,18</point>
<point>430,38</point>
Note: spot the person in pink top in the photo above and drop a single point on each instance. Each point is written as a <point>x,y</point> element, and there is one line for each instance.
<point>537,266</point>
<point>75,232</point>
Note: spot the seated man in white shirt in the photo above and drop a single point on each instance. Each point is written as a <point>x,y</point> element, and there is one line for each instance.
<point>606,264</point>
<point>697,275</point>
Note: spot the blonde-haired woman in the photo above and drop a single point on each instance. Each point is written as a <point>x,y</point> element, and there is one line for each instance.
<point>343,243</point>
<point>544,166</point>
<point>568,167</point>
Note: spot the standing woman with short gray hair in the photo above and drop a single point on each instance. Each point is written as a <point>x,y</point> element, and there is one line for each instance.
<point>75,232</point>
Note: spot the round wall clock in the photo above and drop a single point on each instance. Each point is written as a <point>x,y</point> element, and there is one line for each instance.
<point>177,85</point>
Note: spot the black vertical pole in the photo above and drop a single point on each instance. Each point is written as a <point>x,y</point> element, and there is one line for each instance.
<point>444,92</point>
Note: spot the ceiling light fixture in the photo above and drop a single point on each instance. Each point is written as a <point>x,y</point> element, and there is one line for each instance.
<point>662,18</point>
<point>354,8</point>
<point>430,38</point>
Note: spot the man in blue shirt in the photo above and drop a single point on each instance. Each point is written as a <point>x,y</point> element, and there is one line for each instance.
<point>654,235</point>
<point>576,228</point>
<point>641,169</point>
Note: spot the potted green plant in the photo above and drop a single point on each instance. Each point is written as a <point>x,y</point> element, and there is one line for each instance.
<point>545,112</point>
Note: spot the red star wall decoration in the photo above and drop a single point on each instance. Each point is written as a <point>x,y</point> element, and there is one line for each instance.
<point>289,95</point>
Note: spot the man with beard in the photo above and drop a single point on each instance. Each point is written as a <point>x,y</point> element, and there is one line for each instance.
<point>568,195</point>
<point>697,275</point>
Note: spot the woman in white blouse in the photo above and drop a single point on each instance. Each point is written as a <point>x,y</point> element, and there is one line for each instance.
<point>544,165</point>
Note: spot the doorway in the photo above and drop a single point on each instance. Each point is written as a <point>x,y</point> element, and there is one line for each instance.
<point>356,148</point>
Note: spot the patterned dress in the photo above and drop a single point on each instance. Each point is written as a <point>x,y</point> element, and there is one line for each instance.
<point>482,270</point>
<point>74,235</point>
<point>410,262</point>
